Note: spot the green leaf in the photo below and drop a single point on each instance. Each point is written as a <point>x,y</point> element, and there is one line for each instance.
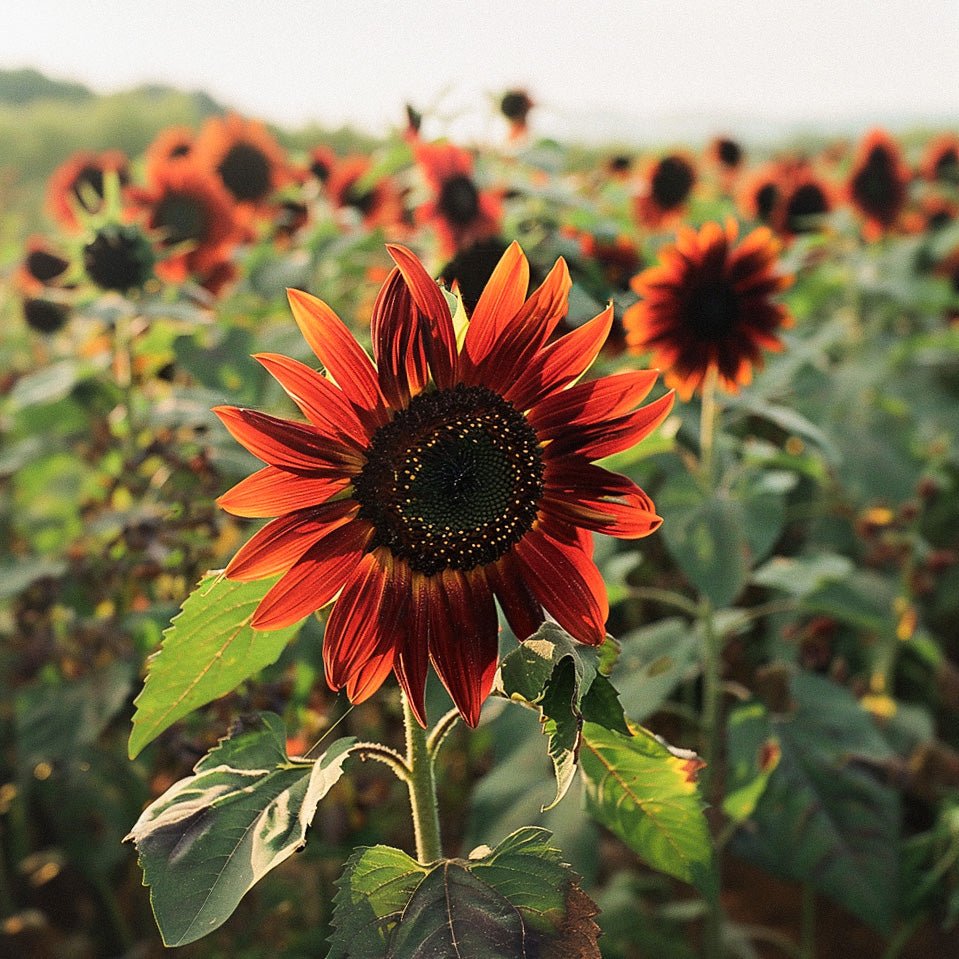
<point>647,796</point>
<point>207,651</point>
<point>561,678</point>
<point>754,753</point>
<point>825,817</point>
<point>799,576</point>
<point>763,498</point>
<point>705,534</point>
<point>211,836</point>
<point>518,901</point>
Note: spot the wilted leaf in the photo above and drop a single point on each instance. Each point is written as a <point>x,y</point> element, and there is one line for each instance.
<point>647,796</point>
<point>211,836</point>
<point>207,651</point>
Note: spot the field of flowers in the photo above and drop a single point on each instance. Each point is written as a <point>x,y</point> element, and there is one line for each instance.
<point>598,508</point>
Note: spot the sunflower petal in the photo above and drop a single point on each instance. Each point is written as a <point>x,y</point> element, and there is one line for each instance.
<point>398,345</point>
<point>521,608</point>
<point>273,492</point>
<point>413,656</point>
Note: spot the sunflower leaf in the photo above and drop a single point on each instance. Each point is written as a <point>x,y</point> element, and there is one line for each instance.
<point>514,902</point>
<point>646,795</point>
<point>207,651</point>
<point>565,681</point>
<point>211,836</point>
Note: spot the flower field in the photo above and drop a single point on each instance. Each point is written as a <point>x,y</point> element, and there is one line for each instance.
<point>556,549</point>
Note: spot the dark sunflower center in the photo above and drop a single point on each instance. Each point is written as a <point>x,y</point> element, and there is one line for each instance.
<point>321,170</point>
<point>362,200</point>
<point>88,180</point>
<point>118,258</point>
<point>459,200</point>
<point>44,266</point>
<point>947,165</point>
<point>515,105</point>
<point>179,150</point>
<point>712,311</point>
<point>729,152</point>
<point>671,182</point>
<point>767,196</point>
<point>876,185</point>
<point>453,482</point>
<point>180,217</point>
<point>44,316</point>
<point>472,268</point>
<point>808,201</point>
<point>245,171</point>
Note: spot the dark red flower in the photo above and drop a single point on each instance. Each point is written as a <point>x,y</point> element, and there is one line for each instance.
<point>940,162</point>
<point>708,304</point>
<point>454,473</point>
<point>878,183</point>
<point>78,184</point>
<point>378,204</point>
<point>804,202</point>
<point>669,183</point>
<point>173,143</point>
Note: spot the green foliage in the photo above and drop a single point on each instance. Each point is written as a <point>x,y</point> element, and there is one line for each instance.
<point>518,901</point>
<point>210,837</point>
<point>209,649</point>
<point>647,796</point>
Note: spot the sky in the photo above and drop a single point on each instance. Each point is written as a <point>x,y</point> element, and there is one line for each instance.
<point>588,65</point>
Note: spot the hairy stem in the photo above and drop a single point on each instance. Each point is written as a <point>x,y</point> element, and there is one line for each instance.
<point>422,786</point>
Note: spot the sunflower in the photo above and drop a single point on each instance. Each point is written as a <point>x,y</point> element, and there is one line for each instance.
<point>251,164</point>
<point>77,184</point>
<point>459,211</point>
<point>454,472</point>
<point>42,267</point>
<point>515,105</point>
<point>878,182</point>
<point>470,270</point>
<point>192,213</point>
<point>669,183</point>
<point>940,161</point>
<point>725,153</point>
<point>707,305</point>
<point>377,204</point>
<point>322,162</point>
<point>171,144</point>
<point>805,200</point>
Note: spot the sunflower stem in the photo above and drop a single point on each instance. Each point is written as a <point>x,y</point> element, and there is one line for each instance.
<point>441,730</point>
<point>707,422</point>
<point>422,786</point>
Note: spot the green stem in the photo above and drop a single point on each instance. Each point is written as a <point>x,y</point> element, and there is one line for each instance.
<point>422,786</point>
<point>807,923</point>
<point>906,931</point>
<point>707,422</point>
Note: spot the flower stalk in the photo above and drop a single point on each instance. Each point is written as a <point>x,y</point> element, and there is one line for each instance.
<point>422,786</point>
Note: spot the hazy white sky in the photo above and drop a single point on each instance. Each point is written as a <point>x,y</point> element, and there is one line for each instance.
<point>361,60</point>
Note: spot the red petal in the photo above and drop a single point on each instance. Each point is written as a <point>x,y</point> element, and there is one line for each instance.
<point>464,640</point>
<point>273,492</point>
<point>365,623</point>
<point>521,608</point>
<point>413,657</point>
<point>594,441</point>
<point>597,400</point>
<point>560,364</point>
<point>276,547</point>
<point>296,447</point>
<point>501,299</point>
<point>441,341</point>
<point>398,342</point>
<point>345,360</point>
<point>315,578</point>
<point>567,583</point>
<point>321,402</point>
<point>368,679</point>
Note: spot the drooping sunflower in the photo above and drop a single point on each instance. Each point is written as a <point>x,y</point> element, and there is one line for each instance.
<point>78,184</point>
<point>452,473</point>
<point>459,211</point>
<point>878,184</point>
<point>708,303</point>
<point>246,157</point>
<point>940,162</point>
<point>193,216</point>
<point>669,182</point>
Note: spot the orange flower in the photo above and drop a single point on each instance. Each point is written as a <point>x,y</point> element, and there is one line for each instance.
<point>249,161</point>
<point>193,215</point>
<point>708,304</point>
<point>460,213</point>
<point>669,182</point>
<point>941,159</point>
<point>440,479</point>
<point>173,143</point>
<point>78,183</point>
<point>878,183</point>
<point>322,163</point>
<point>379,205</point>
<point>726,153</point>
<point>761,195</point>
<point>805,200</point>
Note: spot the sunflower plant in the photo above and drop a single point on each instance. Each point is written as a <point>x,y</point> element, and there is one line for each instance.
<point>435,509</point>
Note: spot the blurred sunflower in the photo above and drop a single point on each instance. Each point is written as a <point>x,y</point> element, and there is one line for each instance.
<point>669,184</point>
<point>454,472</point>
<point>470,270</point>
<point>459,211</point>
<point>378,204</point>
<point>761,194</point>
<point>708,305</point>
<point>193,215</point>
<point>878,183</point>
<point>516,105</point>
<point>322,162</point>
<point>805,200</point>
<point>173,143</point>
<point>249,161</point>
<point>42,267</point>
<point>940,162</point>
<point>77,184</point>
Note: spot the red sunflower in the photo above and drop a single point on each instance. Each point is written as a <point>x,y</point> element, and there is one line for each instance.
<point>173,143</point>
<point>249,161</point>
<point>940,162</point>
<point>78,184</point>
<point>459,211</point>
<point>878,184</point>
<point>805,200</point>
<point>439,480</point>
<point>761,194</point>
<point>193,215</point>
<point>42,267</point>
<point>708,305</point>
<point>669,183</point>
<point>378,205</point>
